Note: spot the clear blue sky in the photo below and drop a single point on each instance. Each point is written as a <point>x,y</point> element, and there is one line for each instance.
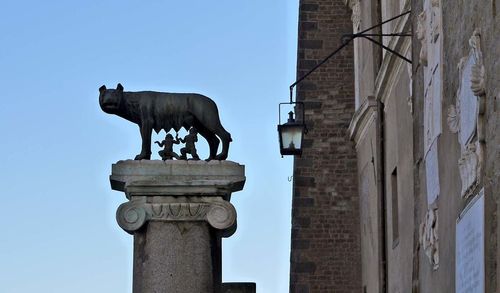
<point>57,209</point>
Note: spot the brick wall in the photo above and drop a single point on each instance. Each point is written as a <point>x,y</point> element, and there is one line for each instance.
<point>325,254</point>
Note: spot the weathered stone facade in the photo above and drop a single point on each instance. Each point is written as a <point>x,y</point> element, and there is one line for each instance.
<point>325,228</point>
<point>425,166</point>
<point>468,147</point>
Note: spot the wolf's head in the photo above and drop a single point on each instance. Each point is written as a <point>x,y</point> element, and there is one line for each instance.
<point>110,99</point>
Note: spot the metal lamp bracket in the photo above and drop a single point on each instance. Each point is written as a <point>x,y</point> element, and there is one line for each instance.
<point>350,37</point>
<point>347,38</point>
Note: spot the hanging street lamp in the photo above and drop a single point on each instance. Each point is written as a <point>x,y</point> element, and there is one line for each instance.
<point>292,132</point>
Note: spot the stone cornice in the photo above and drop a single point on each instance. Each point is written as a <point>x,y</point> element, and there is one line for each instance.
<point>171,187</point>
<point>177,178</point>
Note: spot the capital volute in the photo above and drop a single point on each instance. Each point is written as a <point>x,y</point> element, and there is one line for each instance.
<point>133,215</point>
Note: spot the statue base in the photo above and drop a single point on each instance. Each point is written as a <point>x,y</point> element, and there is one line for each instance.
<point>178,211</point>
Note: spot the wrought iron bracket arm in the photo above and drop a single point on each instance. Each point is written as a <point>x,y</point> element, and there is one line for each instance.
<point>350,37</point>
<point>347,38</point>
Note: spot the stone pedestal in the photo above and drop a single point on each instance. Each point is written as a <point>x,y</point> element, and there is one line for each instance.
<point>177,211</point>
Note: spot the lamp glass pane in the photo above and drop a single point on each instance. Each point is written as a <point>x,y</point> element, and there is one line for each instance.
<point>292,137</point>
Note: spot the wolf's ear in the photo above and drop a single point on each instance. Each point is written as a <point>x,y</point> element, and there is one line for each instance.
<point>102,89</point>
<point>119,87</point>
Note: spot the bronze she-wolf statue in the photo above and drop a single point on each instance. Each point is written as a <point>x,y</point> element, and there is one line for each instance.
<point>155,110</point>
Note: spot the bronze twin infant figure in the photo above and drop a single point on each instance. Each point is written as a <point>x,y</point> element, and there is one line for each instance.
<point>156,110</point>
<point>168,146</point>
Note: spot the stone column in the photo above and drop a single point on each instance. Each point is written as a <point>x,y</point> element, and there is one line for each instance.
<point>177,211</point>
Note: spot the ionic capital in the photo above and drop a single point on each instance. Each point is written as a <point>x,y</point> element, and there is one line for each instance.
<point>133,215</point>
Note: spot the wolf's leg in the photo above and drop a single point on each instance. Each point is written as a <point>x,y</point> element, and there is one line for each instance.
<point>213,141</point>
<point>146,131</point>
<point>226,139</point>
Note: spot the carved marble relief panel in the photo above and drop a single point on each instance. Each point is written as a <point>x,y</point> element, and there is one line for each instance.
<point>355,6</point>
<point>356,15</point>
<point>428,234</point>
<point>466,117</point>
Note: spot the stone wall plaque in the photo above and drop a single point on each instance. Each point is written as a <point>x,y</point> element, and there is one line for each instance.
<point>469,266</point>
<point>428,32</point>
<point>432,173</point>
<point>432,113</point>
<point>467,102</point>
